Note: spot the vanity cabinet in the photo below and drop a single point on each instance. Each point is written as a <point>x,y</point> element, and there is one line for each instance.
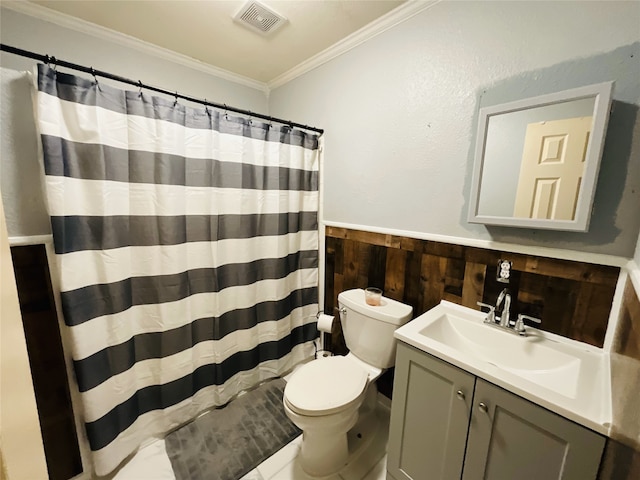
<point>448,424</point>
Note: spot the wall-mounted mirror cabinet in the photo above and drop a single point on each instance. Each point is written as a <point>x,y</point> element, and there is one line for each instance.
<point>537,160</point>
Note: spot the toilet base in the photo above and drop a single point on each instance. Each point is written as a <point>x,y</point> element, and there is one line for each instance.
<point>324,455</point>
<point>324,449</point>
<point>366,428</point>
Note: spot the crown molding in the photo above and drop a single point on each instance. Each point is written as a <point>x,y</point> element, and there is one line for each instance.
<point>391,19</point>
<point>83,26</point>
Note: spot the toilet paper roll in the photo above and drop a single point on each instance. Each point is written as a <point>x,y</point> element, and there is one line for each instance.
<point>325,322</point>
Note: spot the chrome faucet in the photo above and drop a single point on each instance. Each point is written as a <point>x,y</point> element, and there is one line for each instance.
<point>502,321</point>
<point>503,299</point>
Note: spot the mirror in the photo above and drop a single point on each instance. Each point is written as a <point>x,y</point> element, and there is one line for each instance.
<point>537,160</point>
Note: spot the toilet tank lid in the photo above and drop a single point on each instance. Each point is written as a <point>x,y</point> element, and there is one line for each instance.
<point>390,311</point>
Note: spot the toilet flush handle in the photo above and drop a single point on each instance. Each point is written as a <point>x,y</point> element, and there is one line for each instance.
<point>342,311</point>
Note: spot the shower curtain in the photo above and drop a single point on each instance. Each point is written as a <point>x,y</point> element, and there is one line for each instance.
<point>187,246</point>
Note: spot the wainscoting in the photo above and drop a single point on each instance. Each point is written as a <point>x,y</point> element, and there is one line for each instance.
<point>628,333</point>
<point>573,299</point>
<point>46,359</point>
<point>621,460</point>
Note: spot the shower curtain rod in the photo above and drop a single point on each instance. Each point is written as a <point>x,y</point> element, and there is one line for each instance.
<point>91,71</point>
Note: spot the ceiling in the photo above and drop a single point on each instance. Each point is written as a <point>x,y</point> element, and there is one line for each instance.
<point>205,30</point>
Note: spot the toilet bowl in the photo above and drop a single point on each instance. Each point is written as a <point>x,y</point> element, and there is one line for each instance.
<point>325,396</point>
<point>322,398</point>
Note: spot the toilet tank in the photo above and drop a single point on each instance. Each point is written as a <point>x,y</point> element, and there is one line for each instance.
<point>368,330</point>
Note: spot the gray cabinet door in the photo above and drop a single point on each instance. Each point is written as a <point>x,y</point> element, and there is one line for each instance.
<point>512,438</point>
<point>429,417</point>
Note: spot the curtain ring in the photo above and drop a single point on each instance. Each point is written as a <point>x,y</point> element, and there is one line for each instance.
<point>206,107</point>
<point>95,79</point>
<point>226,116</point>
<point>176,102</point>
<point>139,88</point>
<point>55,64</point>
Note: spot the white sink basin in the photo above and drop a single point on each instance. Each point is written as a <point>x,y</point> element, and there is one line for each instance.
<point>531,359</point>
<point>563,375</point>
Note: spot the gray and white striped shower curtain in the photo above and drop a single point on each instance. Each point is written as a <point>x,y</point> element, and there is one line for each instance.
<point>187,246</point>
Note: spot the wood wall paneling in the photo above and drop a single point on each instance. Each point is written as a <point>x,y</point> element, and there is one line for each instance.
<point>46,359</point>
<point>395,273</point>
<point>473,284</point>
<point>573,299</point>
<point>621,459</point>
<point>628,336</point>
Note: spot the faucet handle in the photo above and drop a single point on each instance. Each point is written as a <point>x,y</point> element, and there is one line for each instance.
<point>490,307</point>
<point>520,327</point>
<point>491,314</point>
<point>522,316</point>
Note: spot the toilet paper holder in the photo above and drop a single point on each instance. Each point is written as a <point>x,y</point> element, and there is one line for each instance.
<point>326,330</point>
<point>342,311</point>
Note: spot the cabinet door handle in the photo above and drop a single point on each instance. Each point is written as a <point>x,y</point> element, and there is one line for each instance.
<point>483,407</point>
<point>460,395</point>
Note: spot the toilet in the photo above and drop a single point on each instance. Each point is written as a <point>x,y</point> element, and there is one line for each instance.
<point>325,397</point>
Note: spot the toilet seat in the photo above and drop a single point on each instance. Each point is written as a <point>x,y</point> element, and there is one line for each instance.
<point>325,386</point>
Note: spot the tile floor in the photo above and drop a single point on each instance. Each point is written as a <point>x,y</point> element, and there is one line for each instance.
<point>152,462</point>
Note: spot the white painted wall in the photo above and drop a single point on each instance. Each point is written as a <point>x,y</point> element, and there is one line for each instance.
<point>400,113</point>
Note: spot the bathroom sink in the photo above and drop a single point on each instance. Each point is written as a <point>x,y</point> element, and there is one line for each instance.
<point>564,375</point>
<point>529,357</point>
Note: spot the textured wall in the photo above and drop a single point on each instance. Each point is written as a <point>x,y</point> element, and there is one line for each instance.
<point>400,113</point>
<point>20,178</point>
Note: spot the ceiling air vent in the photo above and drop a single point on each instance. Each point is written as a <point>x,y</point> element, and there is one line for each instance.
<point>259,18</point>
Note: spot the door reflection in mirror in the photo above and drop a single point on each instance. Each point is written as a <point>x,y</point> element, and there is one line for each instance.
<point>519,148</point>
<point>552,168</point>
<point>537,159</point>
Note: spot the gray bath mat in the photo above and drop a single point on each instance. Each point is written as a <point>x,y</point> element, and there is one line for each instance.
<point>229,442</point>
